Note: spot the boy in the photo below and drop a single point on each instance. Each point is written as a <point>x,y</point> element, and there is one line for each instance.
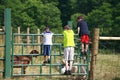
<point>83,34</point>
<point>69,44</point>
<point>47,42</point>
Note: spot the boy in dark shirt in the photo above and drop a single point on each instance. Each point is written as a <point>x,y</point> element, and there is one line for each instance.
<point>83,34</point>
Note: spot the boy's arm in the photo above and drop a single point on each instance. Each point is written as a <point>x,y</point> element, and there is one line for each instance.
<point>78,30</point>
<point>42,37</point>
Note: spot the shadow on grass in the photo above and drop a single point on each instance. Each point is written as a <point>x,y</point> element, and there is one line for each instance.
<point>116,78</point>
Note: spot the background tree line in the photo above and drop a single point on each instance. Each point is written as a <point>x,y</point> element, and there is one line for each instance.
<point>104,14</point>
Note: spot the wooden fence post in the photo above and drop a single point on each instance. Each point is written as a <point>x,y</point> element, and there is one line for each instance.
<point>95,42</point>
<point>2,40</point>
<point>38,39</point>
<point>28,37</point>
<point>19,40</point>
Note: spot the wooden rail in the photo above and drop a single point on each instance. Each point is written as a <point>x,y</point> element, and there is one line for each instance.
<point>109,38</point>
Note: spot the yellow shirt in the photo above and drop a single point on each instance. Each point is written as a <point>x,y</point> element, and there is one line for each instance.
<point>68,38</point>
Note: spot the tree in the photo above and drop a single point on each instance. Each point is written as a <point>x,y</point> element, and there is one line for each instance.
<point>33,14</point>
<point>102,18</point>
<point>116,18</point>
<point>66,10</point>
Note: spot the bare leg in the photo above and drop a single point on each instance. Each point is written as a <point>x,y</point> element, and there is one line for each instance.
<point>45,58</point>
<point>86,47</point>
<point>82,47</point>
<point>66,65</point>
<point>70,68</point>
<point>48,57</point>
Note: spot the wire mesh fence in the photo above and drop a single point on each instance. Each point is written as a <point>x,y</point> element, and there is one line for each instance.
<point>108,61</point>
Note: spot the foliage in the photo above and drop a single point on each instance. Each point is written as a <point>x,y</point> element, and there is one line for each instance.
<point>102,18</point>
<point>116,18</point>
<point>104,14</point>
<point>33,14</point>
<point>56,13</point>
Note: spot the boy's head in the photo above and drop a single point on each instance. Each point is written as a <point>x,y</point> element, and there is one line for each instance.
<point>47,29</point>
<point>67,27</point>
<point>80,18</point>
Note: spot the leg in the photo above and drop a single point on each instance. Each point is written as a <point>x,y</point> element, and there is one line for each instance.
<point>45,53</point>
<point>45,59</point>
<point>83,41</point>
<point>86,50</point>
<point>71,58</point>
<point>66,65</point>
<point>71,63</point>
<point>48,59</point>
<point>82,46</point>
<point>87,40</point>
<point>86,47</point>
<point>82,51</point>
<point>66,60</point>
<point>48,53</point>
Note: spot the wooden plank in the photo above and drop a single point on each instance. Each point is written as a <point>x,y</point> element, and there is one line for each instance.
<point>109,38</point>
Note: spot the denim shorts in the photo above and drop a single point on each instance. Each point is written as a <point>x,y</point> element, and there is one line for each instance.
<point>46,50</point>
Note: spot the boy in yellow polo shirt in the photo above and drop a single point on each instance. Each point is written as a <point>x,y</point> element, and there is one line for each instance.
<point>69,44</point>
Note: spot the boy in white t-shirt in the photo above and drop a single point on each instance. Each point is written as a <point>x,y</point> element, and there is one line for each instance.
<point>47,42</point>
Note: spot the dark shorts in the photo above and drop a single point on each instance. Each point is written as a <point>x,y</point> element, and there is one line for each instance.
<point>46,50</point>
<point>85,39</point>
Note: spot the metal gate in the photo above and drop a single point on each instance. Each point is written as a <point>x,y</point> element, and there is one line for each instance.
<point>5,45</point>
<point>2,50</point>
<point>13,48</point>
<point>22,48</point>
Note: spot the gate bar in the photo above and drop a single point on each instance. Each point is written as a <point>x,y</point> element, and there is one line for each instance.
<point>7,23</point>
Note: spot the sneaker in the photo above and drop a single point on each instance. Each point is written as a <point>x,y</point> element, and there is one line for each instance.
<point>66,72</point>
<point>45,62</point>
<point>69,72</point>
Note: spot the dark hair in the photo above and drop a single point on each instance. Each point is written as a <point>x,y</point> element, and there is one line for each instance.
<point>46,28</point>
<point>80,17</point>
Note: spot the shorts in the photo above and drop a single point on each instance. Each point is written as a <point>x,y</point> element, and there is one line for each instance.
<point>69,53</point>
<point>46,50</point>
<point>85,39</point>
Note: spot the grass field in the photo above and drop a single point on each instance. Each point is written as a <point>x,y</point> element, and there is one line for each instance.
<point>108,67</point>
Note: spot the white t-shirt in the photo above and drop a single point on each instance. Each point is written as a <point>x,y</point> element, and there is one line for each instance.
<point>47,38</point>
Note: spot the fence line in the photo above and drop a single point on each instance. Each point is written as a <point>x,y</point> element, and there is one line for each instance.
<point>94,48</point>
<point>96,67</point>
<point>28,40</point>
<point>109,38</point>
